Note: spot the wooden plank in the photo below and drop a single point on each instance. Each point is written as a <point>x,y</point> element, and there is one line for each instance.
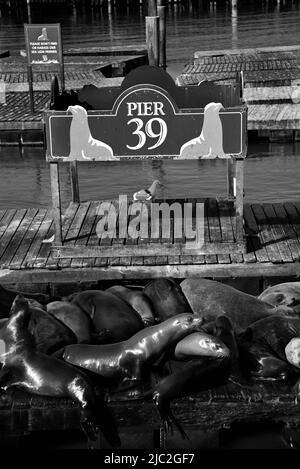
<point>44,255</point>
<point>73,229</point>
<point>84,234</point>
<point>293,217</point>
<point>10,230</point>
<point>266,234</point>
<point>215,230</point>
<point>6,219</point>
<point>256,252</point>
<point>37,248</point>
<point>18,236</point>
<point>289,233</point>
<point>2,213</point>
<point>74,181</point>
<point>278,233</point>
<point>28,240</point>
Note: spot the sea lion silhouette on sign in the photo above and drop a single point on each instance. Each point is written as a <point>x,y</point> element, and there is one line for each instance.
<point>43,36</point>
<point>82,145</point>
<point>209,144</point>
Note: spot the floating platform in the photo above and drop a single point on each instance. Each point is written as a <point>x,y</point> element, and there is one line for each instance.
<point>271,81</point>
<point>100,66</point>
<point>202,415</point>
<point>272,233</point>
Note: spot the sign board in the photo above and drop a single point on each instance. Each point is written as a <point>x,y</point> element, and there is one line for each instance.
<point>43,43</point>
<point>146,121</point>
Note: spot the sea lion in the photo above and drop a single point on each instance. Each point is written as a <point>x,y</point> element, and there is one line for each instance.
<point>167,298</point>
<point>124,360</point>
<point>109,313</point>
<point>37,373</point>
<point>49,333</point>
<point>209,144</point>
<point>200,344</point>
<point>287,294</point>
<point>82,144</point>
<point>74,318</point>
<point>270,348</point>
<point>7,297</point>
<point>197,375</point>
<point>210,299</point>
<point>138,300</point>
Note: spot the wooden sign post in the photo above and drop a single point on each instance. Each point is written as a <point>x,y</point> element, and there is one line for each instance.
<point>150,117</point>
<point>43,47</point>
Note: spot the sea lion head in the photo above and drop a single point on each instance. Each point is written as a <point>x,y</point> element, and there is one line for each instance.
<point>213,108</point>
<point>19,315</point>
<point>79,113</point>
<point>187,321</point>
<point>292,352</point>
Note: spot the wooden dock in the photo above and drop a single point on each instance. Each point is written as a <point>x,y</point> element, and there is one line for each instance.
<point>100,66</point>
<point>271,81</point>
<point>202,415</point>
<point>272,232</point>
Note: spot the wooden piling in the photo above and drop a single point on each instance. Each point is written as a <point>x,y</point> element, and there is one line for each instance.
<point>152,39</point>
<point>152,8</point>
<point>162,14</point>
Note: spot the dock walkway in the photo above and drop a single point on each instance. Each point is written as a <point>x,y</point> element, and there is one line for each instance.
<point>93,65</point>
<point>273,247</point>
<point>271,80</point>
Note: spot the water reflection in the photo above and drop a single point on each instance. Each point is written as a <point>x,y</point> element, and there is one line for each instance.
<point>271,174</point>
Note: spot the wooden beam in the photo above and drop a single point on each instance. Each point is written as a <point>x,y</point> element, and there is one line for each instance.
<point>149,249</point>
<point>74,181</point>
<point>141,272</point>
<point>56,202</point>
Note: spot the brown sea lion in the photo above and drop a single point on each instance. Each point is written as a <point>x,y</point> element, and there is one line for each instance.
<point>138,300</point>
<point>49,333</point>
<point>287,294</point>
<point>124,360</point>
<point>37,373</point>
<point>270,348</point>
<point>110,313</point>
<point>74,318</point>
<point>197,375</point>
<point>7,297</point>
<point>210,299</point>
<point>167,298</point>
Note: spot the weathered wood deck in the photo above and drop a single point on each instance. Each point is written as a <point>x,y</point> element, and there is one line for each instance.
<point>208,411</point>
<point>271,80</point>
<point>273,247</point>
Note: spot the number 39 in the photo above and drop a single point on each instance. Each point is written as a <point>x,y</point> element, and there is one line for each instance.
<point>161,135</point>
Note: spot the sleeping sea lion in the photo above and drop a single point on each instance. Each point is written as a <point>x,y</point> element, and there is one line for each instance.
<point>210,299</point>
<point>49,333</point>
<point>287,294</point>
<point>37,373</point>
<point>138,300</point>
<point>109,313</point>
<point>7,297</point>
<point>270,348</point>
<point>197,375</point>
<point>167,298</point>
<point>74,318</point>
<point>124,360</point>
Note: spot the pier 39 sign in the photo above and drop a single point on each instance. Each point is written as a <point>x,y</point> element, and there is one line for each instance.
<point>148,116</point>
